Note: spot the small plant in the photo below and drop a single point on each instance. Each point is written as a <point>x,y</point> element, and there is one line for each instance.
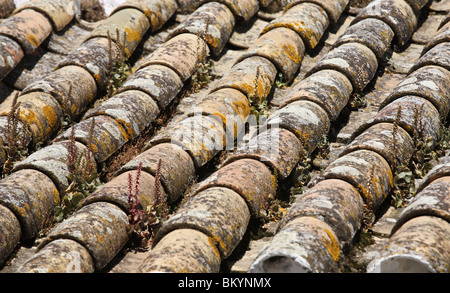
<point>359,3</point>
<point>66,119</point>
<point>443,142</point>
<point>202,77</point>
<point>403,181</point>
<point>357,101</point>
<point>367,219</point>
<point>425,149</point>
<point>138,220</point>
<point>145,223</point>
<point>301,175</point>
<point>276,209</point>
<point>203,74</point>
<point>322,149</point>
<point>118,70</point>
<point>394,147</point>
<point>258,105</point>
<point>16,148</point>
<point>159,210</point>
<point>404,186</point>
<point>279,82</point>
<point>83,177</point>
<point>277,5</point>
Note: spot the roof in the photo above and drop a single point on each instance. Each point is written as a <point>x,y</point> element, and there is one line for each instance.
<point>314,123</point>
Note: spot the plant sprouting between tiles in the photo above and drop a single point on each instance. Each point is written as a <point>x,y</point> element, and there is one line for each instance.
<point>118,70</point>
<point>259,106</point>
<point>15,147</point>
<point>279,82</point>
<point>403,186</point>
<point>82,176</point>
<point>145,221</point>
<point>203,73</point>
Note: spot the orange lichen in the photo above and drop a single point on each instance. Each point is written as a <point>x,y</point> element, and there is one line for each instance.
<point>97,77</point>
<point>33,40</point>
<point>122,130</point>
<point>94,148</point>
<point>50,114</point>
<point>365,192</point>
<point>28,115</point>
<point>332,245</point>
<point>212,243</point>
<point>211,41</point>
<point>56,198</point>
<point>100,238</point>
<point>292,53</point>
<point>22,212</point>
<point>132,35</point>
<point>242,107</point>
<point>73,109</point>
<point>127,128</point>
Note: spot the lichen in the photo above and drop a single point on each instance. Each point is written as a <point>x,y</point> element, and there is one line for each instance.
<point>332,245</point>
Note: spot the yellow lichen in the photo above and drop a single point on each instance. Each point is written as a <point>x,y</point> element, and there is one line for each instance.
<point>56,197</point>
<point>33,40</point>
<point>129,128</point>
<point>22,211</point>
<point>94,148</point>
<point>212,243</point>
<point>211,41</point>
<point>50,114</point>
<point>100,238</point>
<point>332,245</point>
<point>365,192</point>
<point>122,130</point>
<point>274,180</point>
<point>97,77</point>
<point>241,107</point>
<point>291,53</point>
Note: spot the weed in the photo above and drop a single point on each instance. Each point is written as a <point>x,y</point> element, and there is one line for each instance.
<point>394,146</point>
<point>276,209</point>
<point>368,217</point>
<point>420,161</point>
<point>404,186</point>
<point>425,149</point>
<point>322,149</point>
<point>202,77</point>
<point>204,67</point>
<point>358,98</point>
<point>359,3</point>
<point>357,101</point>
<point>83,177</point>
<point>145,223</point>
<point>120,69</point>
<point>277,6</point>
<point>16,147</point>
<point>279,82</point>
<point>443,142</point>
<point>66,119</point>
<point>301,174</point>
<point>137,219</point>
<point>159,210</point>
<point>403,181</point>
<point>258,105</point>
